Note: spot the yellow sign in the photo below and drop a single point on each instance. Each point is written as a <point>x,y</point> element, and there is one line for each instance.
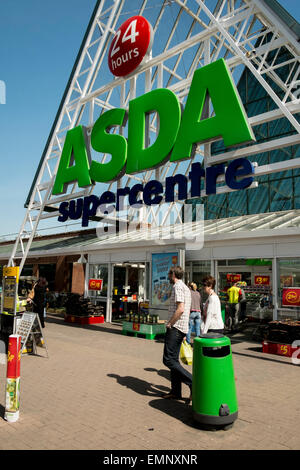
<point>8,303</point>
<point>12,271</point>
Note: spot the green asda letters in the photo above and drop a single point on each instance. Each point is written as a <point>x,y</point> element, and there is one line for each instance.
<point>74,162</point>
<point>176,137</point>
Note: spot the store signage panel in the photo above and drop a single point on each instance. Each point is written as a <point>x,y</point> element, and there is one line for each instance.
<point>178,134</point>
<point>95,284</point>
<point>130,45</point>
<point>233,277</point>
<point>258,262</point>
<point>11,271</point>
<point>291,297</point>
<point>262,280</point>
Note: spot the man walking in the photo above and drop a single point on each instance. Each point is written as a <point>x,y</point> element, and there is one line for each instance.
<point>177,328</point>
<point>234,295</point>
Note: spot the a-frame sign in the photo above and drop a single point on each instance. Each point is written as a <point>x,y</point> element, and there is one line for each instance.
<point>184,37</point>
<point>30,330</point>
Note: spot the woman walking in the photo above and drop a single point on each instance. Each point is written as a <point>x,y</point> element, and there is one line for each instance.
<point>213,322</point>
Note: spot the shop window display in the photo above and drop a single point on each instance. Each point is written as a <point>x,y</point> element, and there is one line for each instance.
<point>255,283</point>
<point>289,288</point>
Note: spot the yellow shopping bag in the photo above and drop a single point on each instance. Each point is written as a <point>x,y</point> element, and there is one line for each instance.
<point>186,353</point>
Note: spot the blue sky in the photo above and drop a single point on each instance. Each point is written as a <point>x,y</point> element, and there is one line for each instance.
<point>39,41</point>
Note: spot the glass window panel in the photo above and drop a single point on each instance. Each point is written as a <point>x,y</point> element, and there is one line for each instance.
<point>200,269</point>
<point>261,132</point>
<point>297,186</point>
<point>99,271</point>
<point>256,107</point>
<point>255,90</point>
<point>279,127</point>
<point>258,199</point>
<point>274,193</point>
<point>280,196</point>
<point>263,179</point>
<point>237,203</point>
<point>297,202</point>
<point>296,173</point>
<point>288,278</point>
<point>216,206</point>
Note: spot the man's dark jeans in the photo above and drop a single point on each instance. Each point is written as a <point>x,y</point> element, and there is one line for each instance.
<point>179,374</point>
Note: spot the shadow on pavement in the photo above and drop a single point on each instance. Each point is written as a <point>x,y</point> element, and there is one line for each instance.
<point>60,321</point>
<point>162,372</point>
<point>181,411</point>
<point>175,408</point>
<point>2,411</point>
<point>139,386</point>
<point>269,357</point>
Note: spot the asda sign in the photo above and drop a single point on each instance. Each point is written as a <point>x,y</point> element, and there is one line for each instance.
<point>179,133</point>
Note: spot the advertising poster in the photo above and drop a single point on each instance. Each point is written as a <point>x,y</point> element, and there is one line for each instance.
<point>161,287</point>
<point>95,284</point>
<point>291,297</point>
<point>233,277</point>
<point>9,294</point>
<point>262,280</point>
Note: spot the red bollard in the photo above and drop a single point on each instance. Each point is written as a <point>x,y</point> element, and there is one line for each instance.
<point>13,379</point>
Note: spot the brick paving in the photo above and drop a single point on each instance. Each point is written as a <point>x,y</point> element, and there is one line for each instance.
<point>101,390</point>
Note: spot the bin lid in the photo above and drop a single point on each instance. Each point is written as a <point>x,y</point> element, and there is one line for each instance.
<point>211,340</point>
<point>212,336</point>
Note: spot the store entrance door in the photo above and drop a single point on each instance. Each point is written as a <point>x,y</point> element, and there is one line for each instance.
<point>128,288</point>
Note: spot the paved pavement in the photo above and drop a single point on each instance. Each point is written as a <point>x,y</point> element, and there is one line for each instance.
<point>101,390</point>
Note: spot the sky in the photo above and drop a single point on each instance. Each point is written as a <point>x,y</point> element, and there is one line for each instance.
<point>39,42</point>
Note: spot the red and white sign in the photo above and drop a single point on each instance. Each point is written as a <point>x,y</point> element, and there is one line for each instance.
<point>95,284</point>
<point>262,280</point>
<point>131,43</point>
<point>291,297</point>
<point>233,277</point>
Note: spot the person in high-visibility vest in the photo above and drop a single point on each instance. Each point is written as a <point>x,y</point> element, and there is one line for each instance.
<point>234,295</point>
<point>21,305</point>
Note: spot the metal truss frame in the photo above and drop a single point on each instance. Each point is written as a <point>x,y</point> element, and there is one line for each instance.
<point>243,32</point>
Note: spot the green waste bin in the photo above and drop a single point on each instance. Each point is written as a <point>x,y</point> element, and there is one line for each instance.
<point>213,390</point>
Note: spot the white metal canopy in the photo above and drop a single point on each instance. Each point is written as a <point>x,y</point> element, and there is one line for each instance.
<point>188,34</point>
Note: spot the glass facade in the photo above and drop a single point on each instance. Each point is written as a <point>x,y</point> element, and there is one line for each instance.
<point>99,271</point>
<point>276,192</point>
<point>289,288</point>
<point>200,269</point>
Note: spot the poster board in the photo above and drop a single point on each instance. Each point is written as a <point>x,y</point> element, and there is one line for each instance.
<point>160,285</point>
<point>291,297</point>
<point>10,290</point>
<point>30,328</point>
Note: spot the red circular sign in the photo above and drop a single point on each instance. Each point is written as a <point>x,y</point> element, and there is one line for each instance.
<point>131,43</point>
